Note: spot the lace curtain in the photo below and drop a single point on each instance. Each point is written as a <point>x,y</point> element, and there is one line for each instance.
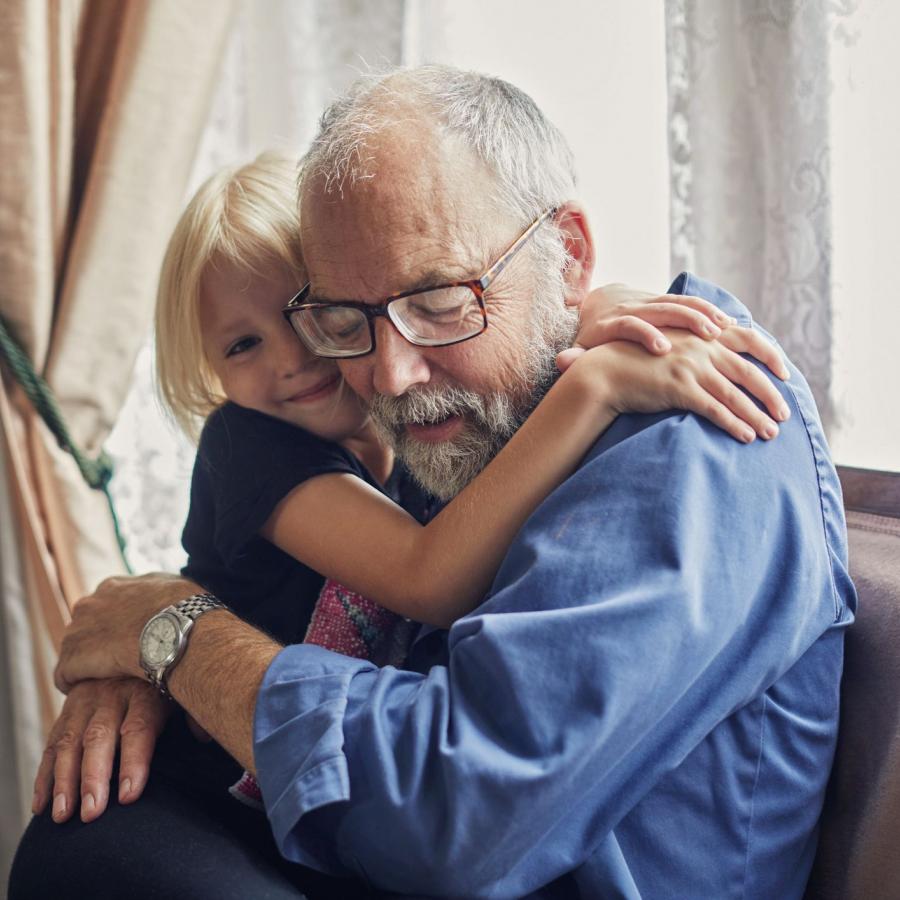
<point>750,105</point>
<point>286,59</point>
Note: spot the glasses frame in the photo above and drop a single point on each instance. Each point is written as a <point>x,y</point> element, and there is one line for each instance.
<point>373,311</point>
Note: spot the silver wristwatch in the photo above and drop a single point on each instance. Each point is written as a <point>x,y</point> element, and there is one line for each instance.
<point>164,638</point>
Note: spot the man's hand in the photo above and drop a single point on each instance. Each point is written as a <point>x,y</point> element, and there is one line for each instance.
<point>78,759</point>
<point>216,681</point>
<point>102,639</point>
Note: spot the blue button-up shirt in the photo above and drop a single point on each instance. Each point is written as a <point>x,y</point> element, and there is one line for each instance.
<point>645,705</point>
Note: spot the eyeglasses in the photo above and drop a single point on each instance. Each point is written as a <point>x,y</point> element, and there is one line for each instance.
<point>431,317</point>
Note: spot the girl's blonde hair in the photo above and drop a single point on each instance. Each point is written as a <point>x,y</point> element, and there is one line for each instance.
<point>246,217</point>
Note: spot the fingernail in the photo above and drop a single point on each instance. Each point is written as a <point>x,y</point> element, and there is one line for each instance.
<point>88,803</point>
<point>711,330</point>
<point>770,431</point>
<point>748,436</point>
<point>59,806</point>
<point>35,802</point>
<point>783,413</point>
<point>662,344</point>
<point>124,789</point>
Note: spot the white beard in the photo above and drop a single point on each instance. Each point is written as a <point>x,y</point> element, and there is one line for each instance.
<point>444,468</point>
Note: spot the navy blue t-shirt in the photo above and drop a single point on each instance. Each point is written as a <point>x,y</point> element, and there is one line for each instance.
<point>247,462</point>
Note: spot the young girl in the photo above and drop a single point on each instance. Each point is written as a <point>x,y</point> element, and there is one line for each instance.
<point>291,484</point>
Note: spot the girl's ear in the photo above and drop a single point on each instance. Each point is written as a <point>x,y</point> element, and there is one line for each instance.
<point>572,222</point>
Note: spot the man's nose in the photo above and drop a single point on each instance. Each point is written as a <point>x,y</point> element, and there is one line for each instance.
<point>397,365</point>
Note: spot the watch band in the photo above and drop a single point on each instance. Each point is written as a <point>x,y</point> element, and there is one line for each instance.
<point>191,608</point>
<point>197,604</point>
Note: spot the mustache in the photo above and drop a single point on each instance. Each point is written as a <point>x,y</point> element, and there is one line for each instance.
<point>428,406</point>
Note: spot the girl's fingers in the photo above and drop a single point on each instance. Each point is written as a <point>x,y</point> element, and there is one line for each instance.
<point>703,403</point>
<point>565,358</point>
<point>746,340</point>
<point>676,315</point>
<point>710,310</point>
<point>739,404</point>
<point>625,325</point>
<point>744,373</point>
<point>623,328</point>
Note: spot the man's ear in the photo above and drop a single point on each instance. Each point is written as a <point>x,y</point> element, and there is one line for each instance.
<point>573,225</point>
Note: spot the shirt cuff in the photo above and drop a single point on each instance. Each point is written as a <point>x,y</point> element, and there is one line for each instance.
<point>299,738</point>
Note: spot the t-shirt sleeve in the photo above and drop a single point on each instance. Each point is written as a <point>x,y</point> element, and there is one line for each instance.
<point>252,461</point>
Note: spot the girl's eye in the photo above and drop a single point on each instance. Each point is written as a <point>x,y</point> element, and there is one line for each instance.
<point>242,345</point>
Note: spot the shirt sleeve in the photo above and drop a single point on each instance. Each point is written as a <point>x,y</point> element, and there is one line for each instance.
<point>251,462</point>
<point>673,578</point>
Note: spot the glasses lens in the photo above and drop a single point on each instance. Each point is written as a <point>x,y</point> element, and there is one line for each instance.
<point>441,316</point>
<point>333,331</point>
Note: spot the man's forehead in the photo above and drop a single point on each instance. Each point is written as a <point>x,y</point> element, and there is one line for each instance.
<point>415,221</point>
<point>388,249</point>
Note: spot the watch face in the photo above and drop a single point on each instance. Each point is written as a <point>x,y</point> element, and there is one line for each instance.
<point>159,640</point>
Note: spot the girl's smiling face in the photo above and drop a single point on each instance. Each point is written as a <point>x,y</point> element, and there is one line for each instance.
<point>262,364</point>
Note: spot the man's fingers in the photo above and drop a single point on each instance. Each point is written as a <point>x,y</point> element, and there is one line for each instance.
<point>78,760</point>
<point>142,725</point>
<point>99,750</point>
<point>43,781</point>
<point>59,680</point>
<point>66,746</point>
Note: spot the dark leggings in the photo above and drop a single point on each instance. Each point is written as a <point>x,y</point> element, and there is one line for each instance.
<point>185,837</point>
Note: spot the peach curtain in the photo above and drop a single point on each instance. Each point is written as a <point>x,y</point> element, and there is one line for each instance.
<point>102,103</point>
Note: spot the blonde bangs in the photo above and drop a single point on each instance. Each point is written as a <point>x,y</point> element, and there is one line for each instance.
<point>247,218</point>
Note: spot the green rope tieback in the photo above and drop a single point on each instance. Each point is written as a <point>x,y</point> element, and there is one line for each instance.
<point>96,472</point>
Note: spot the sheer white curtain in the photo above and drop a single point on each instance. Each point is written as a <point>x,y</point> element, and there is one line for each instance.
<point>784,137</point>
<point>865,142</point>
<point>749,105</point>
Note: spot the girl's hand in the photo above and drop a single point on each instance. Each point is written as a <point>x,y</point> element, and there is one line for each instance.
<point>617,312</point>
<point>700,376</point>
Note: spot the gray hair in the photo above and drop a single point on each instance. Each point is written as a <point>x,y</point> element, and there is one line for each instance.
<point>529,156</point>
<point>532,161</point>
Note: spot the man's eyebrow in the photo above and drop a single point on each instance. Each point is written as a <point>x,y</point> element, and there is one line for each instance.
<point>437,278</point>
<point>432,278</point>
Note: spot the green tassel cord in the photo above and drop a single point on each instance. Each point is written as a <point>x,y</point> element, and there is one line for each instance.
<point>98,472</point>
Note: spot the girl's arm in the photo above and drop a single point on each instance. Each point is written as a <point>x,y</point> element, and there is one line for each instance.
<point>347,530</point>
